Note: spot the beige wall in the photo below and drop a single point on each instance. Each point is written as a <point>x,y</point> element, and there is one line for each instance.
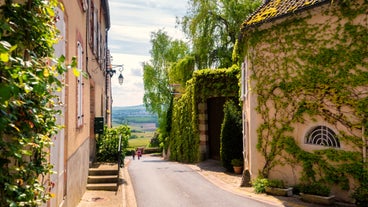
<point>80,139</point>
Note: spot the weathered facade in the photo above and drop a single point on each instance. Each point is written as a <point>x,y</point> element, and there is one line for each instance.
<point>83,26</point>
<point>304,81</point>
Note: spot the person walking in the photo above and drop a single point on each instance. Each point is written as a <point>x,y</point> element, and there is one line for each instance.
<point>139,153</point>
<point>133,154</point>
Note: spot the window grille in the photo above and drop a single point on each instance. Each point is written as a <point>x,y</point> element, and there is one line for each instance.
<point>324,136</point>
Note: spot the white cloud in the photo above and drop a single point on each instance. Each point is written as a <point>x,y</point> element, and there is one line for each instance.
<point>132,22</point>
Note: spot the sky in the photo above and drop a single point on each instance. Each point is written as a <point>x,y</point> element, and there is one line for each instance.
<point>132,22</point>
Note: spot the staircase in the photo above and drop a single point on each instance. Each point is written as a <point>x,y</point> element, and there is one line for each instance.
<point>103,177</point>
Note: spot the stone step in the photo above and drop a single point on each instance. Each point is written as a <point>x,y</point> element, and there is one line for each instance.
<point>102,179</point>
<point>102,186</point>
<point>97,171</point>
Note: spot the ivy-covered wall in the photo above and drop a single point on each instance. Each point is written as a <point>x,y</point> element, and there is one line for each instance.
<point>184,139</point>
<point>307,68</point>
<point>28,83</point>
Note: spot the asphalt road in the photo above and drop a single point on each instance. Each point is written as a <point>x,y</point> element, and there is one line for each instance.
<point>160,183</point>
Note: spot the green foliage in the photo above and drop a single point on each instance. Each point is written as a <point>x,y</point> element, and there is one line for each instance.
<point>259,184</point>
<point>275,183</point>
<point>107,144</point>
<point>27,100</point>
<point>155,142</point>
<point>315,188</point>
<point>165,53</point>
<point>183,141</point>
<point>181,71</point>
<point>312,76</point>
<point>213,27</point>
<point>361,196</point>
<point>237,162</point>
<point>231,144</point>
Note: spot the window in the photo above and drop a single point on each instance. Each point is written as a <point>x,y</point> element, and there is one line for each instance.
<point>95,31</point>
<point>91,23</point>
<point>80,85</point>
<point>324,136</point>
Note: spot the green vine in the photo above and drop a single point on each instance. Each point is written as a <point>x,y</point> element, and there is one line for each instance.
<point>318,71</point>
<point>28,83</point>
<point>184,137</point>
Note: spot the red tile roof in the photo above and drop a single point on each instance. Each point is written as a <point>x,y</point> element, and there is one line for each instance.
<point>273,9</point>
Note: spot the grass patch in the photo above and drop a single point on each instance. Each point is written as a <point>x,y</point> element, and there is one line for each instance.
<point>138,142</point>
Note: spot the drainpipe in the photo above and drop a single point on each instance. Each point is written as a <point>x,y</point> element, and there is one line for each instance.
<point>108,83</point>
<point>87,34</point>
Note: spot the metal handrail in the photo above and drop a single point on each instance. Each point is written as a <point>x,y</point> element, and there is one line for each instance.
<point>119,160</point>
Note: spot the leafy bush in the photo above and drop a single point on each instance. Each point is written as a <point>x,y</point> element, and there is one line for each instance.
<point>316,188</point>
<point>260,184</point>
<point>361,196</point>
<point>155,142</point>
<point>275,183</point>
<point>108,143</point>
<point>237,162</point>
<point>151,150</point>
<point>231,134</point>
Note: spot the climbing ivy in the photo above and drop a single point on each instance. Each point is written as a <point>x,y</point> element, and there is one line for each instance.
<point>28,82</point>
<point>307,71</point>
<point>184,137</point>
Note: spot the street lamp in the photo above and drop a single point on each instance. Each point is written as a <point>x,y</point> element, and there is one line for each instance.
<point>111,72</point>
<point>121,78</point>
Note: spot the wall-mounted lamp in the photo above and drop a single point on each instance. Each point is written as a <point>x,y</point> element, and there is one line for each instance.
<point>111,72</point>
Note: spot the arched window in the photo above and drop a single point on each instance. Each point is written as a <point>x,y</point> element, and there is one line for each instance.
<point>322,135</point>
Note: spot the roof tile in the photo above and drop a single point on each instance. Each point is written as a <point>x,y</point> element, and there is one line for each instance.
<point>277,8</point>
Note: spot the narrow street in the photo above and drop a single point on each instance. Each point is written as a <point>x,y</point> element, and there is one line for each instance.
<point>157,183</point>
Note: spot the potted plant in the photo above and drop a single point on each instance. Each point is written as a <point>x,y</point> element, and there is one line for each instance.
<point>278,188</point>
<point>316,193</point>
<point>237,165</point>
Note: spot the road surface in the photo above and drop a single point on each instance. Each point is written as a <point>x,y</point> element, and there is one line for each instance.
<point>160,183</point>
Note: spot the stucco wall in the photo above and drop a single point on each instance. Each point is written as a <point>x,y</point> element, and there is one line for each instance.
<point>78,164</point>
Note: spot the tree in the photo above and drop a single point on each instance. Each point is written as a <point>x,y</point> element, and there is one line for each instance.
<point>213,28</point>
<point>165,53</point>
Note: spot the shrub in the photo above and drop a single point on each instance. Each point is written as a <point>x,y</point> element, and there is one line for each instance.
<point>315,189</point>
<point>155,142</point>
<point>260,184</point>
<point>361,196</point>
<point>108,143</point>
<point>275,183</point>
<point>237,162</point>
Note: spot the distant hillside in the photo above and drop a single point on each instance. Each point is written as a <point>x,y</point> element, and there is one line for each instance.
<point>132,115</point>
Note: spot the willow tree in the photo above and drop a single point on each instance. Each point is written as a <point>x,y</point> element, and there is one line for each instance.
<point>213,28</point>
<point>165,53</point>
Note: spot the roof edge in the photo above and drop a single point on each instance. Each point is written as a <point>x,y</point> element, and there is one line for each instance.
<point>245,27</point>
